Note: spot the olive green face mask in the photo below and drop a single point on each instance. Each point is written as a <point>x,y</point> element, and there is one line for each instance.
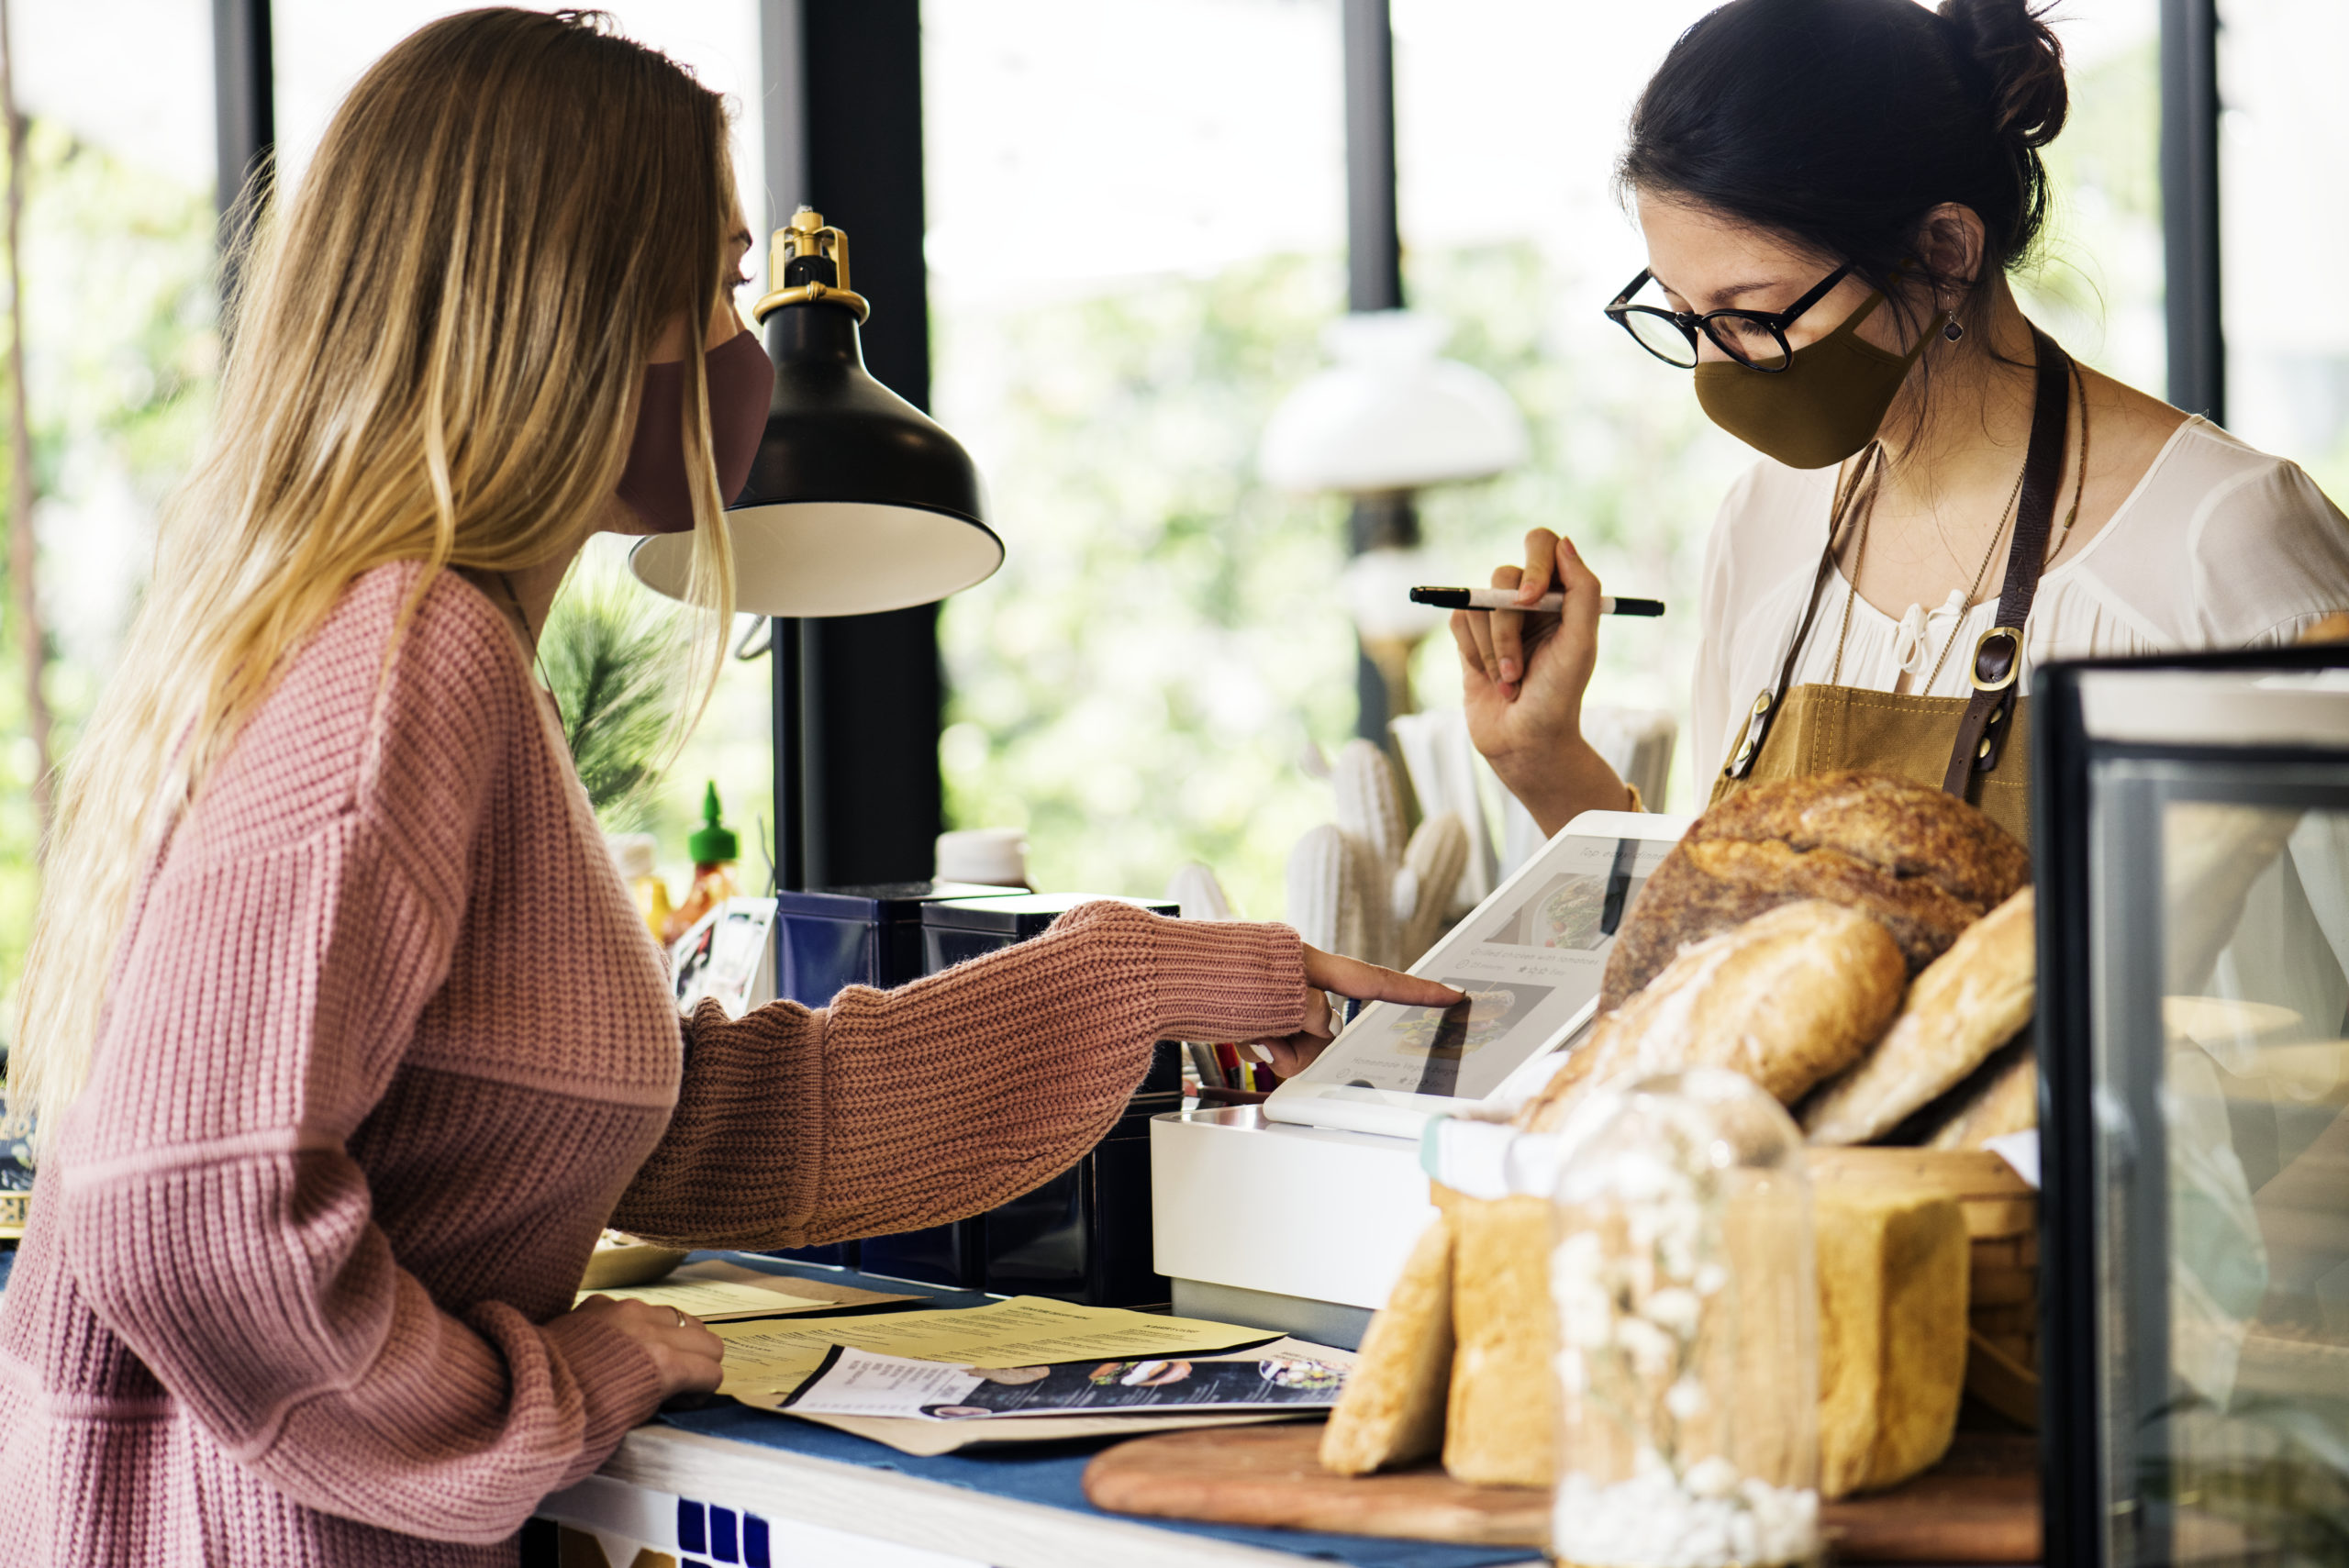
<point>1827,403</point>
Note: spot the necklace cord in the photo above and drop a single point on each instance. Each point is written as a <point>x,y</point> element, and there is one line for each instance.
<point>1973,589</point>
<point>538,661</point>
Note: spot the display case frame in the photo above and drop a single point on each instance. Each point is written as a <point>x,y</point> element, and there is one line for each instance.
<point>2116,741</point>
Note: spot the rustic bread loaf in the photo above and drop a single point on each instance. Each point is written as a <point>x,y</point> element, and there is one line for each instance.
<point>1501,1429</point>
<point>1966,1004</point>
<point>1789,998</point>
<point>1922,863</point>
<point>1892,1300</point>
<point>1892,1264</point>
<point>1392,1410</point>
<point>2001,1097</point>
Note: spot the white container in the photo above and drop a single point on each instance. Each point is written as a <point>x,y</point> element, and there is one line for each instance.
<point>992,857</point>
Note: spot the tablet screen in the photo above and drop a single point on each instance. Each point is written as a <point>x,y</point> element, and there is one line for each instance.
<point>1530,958</point>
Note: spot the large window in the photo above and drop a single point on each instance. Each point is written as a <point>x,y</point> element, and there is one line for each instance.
<point>1128,271</point>
<point>120,349</point>
<point>1137,221</point>
<point>2283,141</point>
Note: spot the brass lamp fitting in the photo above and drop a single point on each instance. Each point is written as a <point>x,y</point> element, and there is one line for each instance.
<point>807,235</point>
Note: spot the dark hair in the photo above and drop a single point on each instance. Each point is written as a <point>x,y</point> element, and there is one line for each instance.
<point>1840,124</point>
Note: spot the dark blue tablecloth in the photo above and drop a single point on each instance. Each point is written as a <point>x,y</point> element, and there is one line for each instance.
<point>1048,1474</point>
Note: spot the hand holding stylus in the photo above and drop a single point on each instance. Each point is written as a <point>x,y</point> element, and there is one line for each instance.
<point>1523,674</point>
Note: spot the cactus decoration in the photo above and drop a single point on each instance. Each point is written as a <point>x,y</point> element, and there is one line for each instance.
<point>1199,895</point>
<point>1360,888</point>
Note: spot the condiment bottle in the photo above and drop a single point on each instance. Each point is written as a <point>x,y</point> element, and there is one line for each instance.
<point>715,849</point>
<point>633,852</point>
<point>1686,1288</point>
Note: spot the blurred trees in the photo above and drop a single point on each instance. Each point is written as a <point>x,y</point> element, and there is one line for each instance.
<point>120,355</point>
<point>1137,686</point>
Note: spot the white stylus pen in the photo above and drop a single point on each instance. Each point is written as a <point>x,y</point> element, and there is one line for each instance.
<point>1506,599</point>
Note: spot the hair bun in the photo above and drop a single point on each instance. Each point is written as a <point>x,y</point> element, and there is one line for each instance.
<point>2024,62</point>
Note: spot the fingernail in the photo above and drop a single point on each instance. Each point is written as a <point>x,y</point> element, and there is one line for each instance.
<point>1569,546</point>
<point>1256,1053</point>
<point>1510,672</point>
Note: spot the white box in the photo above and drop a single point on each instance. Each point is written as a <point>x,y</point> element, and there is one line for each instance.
<point>1299,1229</point>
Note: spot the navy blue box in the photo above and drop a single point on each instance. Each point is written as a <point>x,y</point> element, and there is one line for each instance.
<point>1084,1235</point>
<point>957,929</point>
<point>827,938</point>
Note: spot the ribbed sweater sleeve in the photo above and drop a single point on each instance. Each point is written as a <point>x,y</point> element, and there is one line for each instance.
<point>212,1216</point>
<point>892,1110</point>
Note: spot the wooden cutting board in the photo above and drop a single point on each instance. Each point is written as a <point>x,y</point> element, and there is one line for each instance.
<point>1980,1505</point>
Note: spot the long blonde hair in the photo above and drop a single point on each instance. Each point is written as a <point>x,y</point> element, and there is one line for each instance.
<point>434,355</point>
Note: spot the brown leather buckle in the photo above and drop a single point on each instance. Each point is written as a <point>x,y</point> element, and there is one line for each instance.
<point>1989,676</point>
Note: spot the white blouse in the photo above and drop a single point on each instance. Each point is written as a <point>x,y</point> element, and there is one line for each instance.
<point>2218,546</point>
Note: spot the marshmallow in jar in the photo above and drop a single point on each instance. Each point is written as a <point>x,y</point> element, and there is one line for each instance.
<point>1684,1282</point>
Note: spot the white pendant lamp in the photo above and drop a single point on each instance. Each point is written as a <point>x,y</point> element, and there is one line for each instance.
<point>1391,412</point>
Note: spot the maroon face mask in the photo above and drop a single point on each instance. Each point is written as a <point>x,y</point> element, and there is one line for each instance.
<point>740,380</point>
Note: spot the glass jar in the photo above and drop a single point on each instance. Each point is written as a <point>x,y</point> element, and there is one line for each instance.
<point>1684,1281</point>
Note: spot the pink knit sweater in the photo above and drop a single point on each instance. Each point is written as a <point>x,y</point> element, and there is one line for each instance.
<point>388,1045</point>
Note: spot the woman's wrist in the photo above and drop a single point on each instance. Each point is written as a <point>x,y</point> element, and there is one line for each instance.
<point>1577,779</point>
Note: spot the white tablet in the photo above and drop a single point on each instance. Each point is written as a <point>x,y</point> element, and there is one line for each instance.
<point>1530,959</point>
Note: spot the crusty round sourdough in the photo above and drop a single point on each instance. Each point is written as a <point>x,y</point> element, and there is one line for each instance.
<point>1790,997</point>
<point>1923,864</point>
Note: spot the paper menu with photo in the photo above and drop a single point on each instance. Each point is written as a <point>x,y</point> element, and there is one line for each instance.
<point>864,1382</point>
<point>1530,959</point>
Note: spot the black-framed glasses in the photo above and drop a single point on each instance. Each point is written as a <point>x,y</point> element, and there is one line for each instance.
<point>1754,338</point>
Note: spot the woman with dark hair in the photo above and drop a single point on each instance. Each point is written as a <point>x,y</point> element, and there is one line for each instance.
<point>1833,192</point>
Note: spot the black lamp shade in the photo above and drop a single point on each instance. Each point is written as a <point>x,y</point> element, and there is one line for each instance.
<point>857,502</point>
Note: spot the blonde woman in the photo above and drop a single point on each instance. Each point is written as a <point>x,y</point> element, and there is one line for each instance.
<point>343,1036</point>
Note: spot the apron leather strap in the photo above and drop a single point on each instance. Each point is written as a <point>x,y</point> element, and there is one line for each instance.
<point>1848,501</point>
<point>1996,667</point>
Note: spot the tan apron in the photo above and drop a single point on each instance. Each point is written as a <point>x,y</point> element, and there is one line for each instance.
<point>1821,728</point>
<point>1976,748</point>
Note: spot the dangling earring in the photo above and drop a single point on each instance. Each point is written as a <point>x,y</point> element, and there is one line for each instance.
<point>1954,331</point>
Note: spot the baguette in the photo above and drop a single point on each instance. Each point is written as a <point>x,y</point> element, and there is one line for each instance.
<point>1966,1004</point>
<point>1789,998</point>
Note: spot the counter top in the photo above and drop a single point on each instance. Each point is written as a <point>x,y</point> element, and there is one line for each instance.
<point>696,1478</point>
<point>1020,1511</point>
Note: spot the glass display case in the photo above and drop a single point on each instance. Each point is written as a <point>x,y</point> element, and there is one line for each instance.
<point>2192,837</point>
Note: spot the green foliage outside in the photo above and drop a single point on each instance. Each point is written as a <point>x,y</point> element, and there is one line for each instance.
<point>1136,685</point>
<point>122,352</point>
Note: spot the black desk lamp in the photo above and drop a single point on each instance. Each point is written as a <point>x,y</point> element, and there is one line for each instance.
<point>857,502</point>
